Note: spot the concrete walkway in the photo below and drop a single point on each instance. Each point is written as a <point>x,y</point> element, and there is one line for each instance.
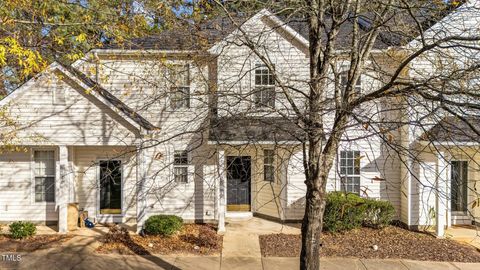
<point>241,251</point>
<point>466,234</point>
<point>52,260</point>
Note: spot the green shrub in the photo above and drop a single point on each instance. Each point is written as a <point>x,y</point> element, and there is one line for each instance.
<point>163,225</point>
<point>378,214</point>
<point>343,211</point>
<point>346,211</point>
<point>22,229</point>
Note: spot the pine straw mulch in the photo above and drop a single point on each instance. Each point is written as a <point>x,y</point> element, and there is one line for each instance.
<point>32,243</point>
<point>393,243</point>
<point>201,239</point>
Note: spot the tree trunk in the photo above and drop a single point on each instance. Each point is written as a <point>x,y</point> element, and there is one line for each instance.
<point>312,229</point>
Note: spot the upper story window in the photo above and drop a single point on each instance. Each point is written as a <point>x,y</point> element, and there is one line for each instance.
<point>344,81</point>
<point>350,171</point>
<point>269,165</point>
<point>44,176</point>
<point>264,87</point>
<point>180,89</point>
<point>180,166</point>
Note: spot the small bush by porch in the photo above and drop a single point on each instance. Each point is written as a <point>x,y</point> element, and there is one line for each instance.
<point>22,237</point>
<point>198,239</point>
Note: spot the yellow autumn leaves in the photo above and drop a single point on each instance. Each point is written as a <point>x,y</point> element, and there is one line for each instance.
<point>30,61</point>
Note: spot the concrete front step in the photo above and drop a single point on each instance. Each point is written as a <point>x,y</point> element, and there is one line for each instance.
<point>461,219</point>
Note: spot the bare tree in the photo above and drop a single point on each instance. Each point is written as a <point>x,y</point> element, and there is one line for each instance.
<point>382,74</point>
<point>389,41</point>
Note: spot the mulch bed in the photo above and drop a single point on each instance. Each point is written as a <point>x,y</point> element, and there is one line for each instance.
<point>32,243</point>
<point>201,239</point>
<point>393,243</point>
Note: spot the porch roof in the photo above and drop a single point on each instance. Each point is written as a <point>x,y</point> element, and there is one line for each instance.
<point>455,129</point>
<point>254,129</point>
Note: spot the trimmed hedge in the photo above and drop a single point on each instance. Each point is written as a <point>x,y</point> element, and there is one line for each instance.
<point>165,225</point>
<point>346,211</point>
<point>22,229</point>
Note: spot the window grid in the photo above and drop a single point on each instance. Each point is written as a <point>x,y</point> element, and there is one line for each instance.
<point>264,87</point>
<point>44,176</point>
<point>268,165</point>
<point>350,171</point>
<point>180,168</point>
<point>180,90</point>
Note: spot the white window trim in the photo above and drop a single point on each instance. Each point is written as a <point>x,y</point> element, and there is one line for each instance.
<point>189,167</point>
<point>351,175</point>
<point>32,173</point>
<point>97,181</point>
<point>253,88</point>
<point>170,86</point>
<point>273,164</point>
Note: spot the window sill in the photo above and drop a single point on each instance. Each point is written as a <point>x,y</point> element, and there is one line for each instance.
<point>44,203</point>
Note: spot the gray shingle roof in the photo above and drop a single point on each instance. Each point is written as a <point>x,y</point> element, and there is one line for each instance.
<point>137,118</point>
<point>184,36</point>
<point>453,129</point>
<point>254,129</point>
<point>398,30</point>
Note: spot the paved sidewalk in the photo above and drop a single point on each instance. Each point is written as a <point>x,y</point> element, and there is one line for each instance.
<point>48,260</point>
<point>241,251</point>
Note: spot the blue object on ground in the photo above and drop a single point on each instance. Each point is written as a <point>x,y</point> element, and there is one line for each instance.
<point>88,223</point>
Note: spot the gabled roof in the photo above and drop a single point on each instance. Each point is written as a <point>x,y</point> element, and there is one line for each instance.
<point>117,103</point>
<point>184,36</point>
<point>99,92</point>
<point>187,36</point>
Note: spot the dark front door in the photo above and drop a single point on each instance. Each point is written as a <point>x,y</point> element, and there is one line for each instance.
<point>238,183</point>
<point>459,180</point>
<point>110,187</point>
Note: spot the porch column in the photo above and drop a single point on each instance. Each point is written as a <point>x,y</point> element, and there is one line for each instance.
<point>221,198</point>
<point>441,195</point>
<point>62,189</point>
<point>141,196</point>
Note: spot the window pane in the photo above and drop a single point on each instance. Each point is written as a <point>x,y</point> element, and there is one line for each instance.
<point>181,174</point>
<point>49,189</point>
<point>44,189</point>
<point>268,156</point>
<point>44,163</point>
<point>180,75</point>
<point>269,173</point>
<point>180,158</point>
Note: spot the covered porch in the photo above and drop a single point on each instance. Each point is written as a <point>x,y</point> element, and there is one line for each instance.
<point>253,159</point>
<point>99,180</point>
<point>445,175</point>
